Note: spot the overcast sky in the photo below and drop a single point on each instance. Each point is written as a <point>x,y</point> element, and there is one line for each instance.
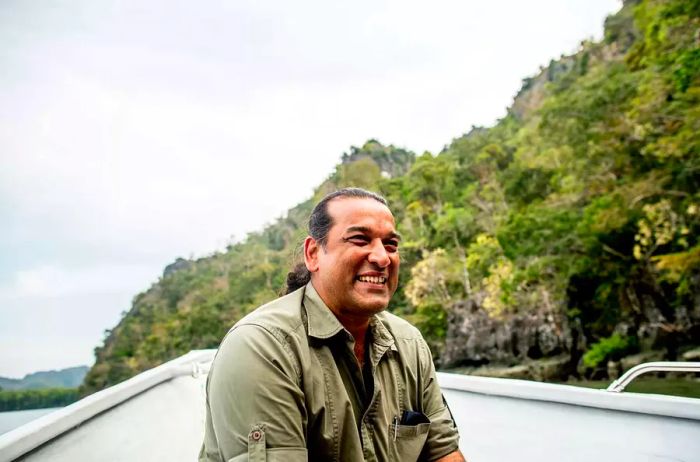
<point>134,132</point>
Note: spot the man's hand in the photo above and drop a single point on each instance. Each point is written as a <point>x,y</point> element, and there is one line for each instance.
<point>453,457</point>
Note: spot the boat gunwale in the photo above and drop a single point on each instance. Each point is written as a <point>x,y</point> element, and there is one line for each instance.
<point>24,439</point>
<point>652,404</point>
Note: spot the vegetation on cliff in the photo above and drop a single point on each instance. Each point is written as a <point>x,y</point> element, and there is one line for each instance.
<point>581,203</point>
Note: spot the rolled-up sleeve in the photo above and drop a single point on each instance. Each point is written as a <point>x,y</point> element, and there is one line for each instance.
<point>443,437</point>
<point>254,401</point>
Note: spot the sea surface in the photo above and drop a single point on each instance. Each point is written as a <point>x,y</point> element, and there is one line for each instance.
<point>13,419</point>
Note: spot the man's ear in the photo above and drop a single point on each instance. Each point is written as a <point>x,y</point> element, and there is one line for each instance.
<point>311,250</point>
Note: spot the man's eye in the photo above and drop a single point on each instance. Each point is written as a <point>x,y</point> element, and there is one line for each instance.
<point>358,239</point>
<point>391,246</point>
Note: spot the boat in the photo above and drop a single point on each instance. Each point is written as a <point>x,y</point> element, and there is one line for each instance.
<point>158,415</point>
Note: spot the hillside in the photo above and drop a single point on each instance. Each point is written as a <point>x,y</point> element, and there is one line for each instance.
<point>70,377</point>
<point>561,241</point>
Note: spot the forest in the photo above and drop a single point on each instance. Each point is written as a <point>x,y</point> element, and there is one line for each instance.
<point>560,242</point>
<point>14,400</point>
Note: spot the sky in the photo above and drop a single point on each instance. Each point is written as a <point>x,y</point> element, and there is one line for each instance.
<point>133,133</point>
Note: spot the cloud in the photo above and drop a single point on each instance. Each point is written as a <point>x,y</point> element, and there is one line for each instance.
<point>50,282</point>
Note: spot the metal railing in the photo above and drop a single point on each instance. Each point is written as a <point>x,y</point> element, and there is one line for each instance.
<point>658,366</point>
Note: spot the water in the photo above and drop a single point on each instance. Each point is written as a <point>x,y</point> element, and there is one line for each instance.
<point>13,419</point>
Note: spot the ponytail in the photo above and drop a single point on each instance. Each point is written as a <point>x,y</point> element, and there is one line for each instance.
<point>297,278</point>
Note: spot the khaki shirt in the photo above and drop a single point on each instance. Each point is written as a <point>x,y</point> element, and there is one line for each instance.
<point>285,386</point>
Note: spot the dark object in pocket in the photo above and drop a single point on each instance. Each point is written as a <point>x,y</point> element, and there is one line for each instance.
<point>413,418</point>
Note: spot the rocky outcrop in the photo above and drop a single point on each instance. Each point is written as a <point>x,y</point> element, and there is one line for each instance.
<point>475,338</point>
<point>542,344</point>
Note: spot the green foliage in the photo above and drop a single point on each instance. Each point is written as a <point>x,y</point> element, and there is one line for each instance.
<point>611,348</point>
<point>431,319</point>
<point>482,254</point>
<point>363,173</point>
<point>687,68</point>
<point>539,231</point>
<point>528,185</point>
<point>438,279</point>
<point>679,269</point>
<point>16,400</point>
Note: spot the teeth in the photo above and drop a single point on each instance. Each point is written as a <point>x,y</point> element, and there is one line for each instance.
<point>373,279</point>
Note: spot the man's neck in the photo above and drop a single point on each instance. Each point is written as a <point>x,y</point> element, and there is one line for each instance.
<point>356,325</point>
<point>358,328</point>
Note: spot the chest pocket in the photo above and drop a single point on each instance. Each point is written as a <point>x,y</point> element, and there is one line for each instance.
<point>410,435</point>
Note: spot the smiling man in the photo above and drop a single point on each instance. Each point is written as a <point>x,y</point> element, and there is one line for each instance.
<point>325,373</point>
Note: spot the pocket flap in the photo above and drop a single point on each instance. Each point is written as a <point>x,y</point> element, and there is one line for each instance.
<point>408,431</point>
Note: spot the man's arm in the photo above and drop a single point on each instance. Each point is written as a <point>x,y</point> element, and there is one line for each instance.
<point>442,443</point>
<point>453,457</point>
<point>254,402</point>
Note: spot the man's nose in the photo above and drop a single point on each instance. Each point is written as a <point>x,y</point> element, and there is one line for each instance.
<point>378,255</point>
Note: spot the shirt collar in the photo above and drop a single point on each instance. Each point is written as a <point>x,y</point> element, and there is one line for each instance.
<point>380,334</point>
<point>323,324</point>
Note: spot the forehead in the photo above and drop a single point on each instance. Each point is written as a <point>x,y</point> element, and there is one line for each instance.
<point>365,212</point>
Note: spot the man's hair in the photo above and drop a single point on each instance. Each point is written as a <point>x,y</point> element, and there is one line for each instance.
<point>320,224</point>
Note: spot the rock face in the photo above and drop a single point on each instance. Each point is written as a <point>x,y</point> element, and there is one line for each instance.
<point>392,161</point>
<point>474,338</point>
<point>541,344</point>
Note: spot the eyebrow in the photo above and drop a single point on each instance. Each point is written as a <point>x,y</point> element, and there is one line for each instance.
<point>366,230</point>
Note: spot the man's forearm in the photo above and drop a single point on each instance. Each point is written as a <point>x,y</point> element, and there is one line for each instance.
<point>452,457</point>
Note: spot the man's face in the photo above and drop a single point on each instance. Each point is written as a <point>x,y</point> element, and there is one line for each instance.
<point>358,270</point>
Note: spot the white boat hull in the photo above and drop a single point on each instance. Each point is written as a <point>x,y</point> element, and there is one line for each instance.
<point>159,415</point>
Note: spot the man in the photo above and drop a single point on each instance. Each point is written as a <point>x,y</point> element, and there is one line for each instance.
<point>324,373</point>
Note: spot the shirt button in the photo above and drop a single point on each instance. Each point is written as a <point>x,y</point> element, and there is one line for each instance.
<point>256,435</point>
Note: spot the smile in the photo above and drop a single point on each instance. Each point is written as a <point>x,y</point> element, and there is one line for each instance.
<point>372,279</point>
